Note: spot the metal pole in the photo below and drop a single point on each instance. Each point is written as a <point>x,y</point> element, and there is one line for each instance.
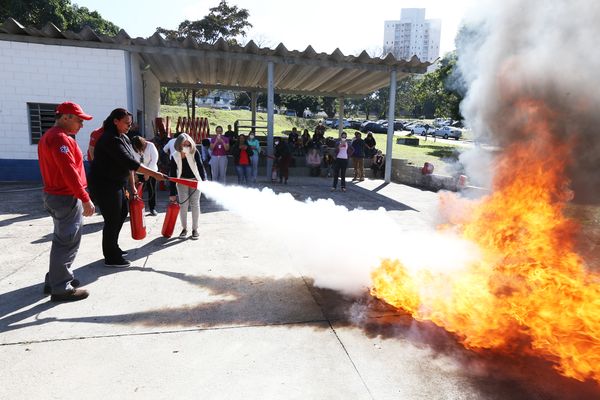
<point>270,120</point>
<point>340,116</point>
<point>253,107</point>
<point>390,132</point>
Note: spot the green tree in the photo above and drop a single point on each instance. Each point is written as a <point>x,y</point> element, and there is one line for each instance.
<point>299,103</point>
<point>329,106</point>
<point>244,98</point>
<point>223,21</point>
<point>406,100</point>
<point>439,93</point>
<point>62,13</point>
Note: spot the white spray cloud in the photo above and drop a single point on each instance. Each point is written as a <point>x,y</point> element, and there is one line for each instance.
<point>345,260</point>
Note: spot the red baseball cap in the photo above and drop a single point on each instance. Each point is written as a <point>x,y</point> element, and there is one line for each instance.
<point>69,107</point>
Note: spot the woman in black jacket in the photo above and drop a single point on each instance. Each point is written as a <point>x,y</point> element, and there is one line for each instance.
<point>113,165</point>
<point>371,143</point>
<point>283,156</point>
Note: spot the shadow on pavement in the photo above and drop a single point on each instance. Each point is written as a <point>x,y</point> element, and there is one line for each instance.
<point>23,199</point>
<point>354,197</point>
<point>259,301</point>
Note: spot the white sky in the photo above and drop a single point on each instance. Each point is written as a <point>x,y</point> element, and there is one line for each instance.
<point>351,26</point>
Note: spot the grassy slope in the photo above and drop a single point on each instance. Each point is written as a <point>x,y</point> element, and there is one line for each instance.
<point>438,154</point>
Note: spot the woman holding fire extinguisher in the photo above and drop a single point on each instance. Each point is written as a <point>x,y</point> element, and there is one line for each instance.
<point>113,165</point>
<point>186,163</point>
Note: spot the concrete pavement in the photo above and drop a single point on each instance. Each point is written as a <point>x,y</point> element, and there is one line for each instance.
<point>226,317</point>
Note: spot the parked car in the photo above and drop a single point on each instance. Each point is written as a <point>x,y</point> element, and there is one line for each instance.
<point>448,132</point>
<point>442,122</point>
<point>355,124</point>
<point>244,108</point>
<point>290,113</point>
<point>307,113</point>
<point>264,110</point>
<point>328,122</point>
<point>408,126</point>
<point>336,124</point>
<point>373,127</point>
<point>422,129</point>
<point>398,126</point>
<point>222,107</point>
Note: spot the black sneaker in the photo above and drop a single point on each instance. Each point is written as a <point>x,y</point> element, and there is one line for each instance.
<point>123,253</point>
<point>122,263</point>
<point>195,235</point>
<point>153,213</point>
<point>75,283</point>
<point>72,295</point>
<point>183,234</point>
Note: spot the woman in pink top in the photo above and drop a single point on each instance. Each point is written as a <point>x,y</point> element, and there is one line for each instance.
<point>219,146</point>
<point>342,152</point>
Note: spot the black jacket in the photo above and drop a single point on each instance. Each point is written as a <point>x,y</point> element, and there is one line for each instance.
<point>113,161</point>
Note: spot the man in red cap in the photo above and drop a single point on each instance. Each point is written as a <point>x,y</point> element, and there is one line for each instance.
<point>65,199</point>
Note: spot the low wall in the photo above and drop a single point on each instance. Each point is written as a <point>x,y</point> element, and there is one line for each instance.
<point>411,175</point>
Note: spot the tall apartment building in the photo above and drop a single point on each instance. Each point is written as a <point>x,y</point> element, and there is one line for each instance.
<point>413,35</point>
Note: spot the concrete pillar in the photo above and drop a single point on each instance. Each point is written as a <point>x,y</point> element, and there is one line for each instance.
<point>270,119</point>
<point>340,116</point>
<point>129,82</point>
<point>390,132</point>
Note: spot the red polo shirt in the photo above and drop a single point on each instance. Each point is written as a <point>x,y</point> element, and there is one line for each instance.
<point>61,164</point>
<point>94,136</point>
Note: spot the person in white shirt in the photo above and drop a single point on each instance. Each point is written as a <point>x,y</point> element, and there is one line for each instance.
<point>169,148</point>
<point>147,154</point>
<point>342,152</point>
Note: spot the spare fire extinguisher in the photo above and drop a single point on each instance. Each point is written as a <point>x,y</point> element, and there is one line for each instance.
<point>136,218</point>
<point>170,219</point>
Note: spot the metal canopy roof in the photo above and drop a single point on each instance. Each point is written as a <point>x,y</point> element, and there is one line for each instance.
<point>191,64</point>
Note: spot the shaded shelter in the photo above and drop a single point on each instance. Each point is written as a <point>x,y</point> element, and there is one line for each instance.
<point>190,64</point>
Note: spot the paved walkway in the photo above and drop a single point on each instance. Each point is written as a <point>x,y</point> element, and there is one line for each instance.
<point>229,317</point>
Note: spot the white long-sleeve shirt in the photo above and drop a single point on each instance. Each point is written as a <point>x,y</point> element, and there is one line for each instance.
<point>169,148</point>
<point>150,157</point>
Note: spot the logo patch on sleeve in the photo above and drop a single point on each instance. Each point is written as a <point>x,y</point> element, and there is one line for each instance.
<point>64,149</point>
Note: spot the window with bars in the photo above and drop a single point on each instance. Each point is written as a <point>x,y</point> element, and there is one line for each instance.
<point>41,118</point>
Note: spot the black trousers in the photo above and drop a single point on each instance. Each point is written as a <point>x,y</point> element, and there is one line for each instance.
<point>340,167</point>
<point>113,206</point>
<point>150,185</point>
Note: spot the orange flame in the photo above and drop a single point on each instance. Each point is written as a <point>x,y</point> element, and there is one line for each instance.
<point>529,283</point>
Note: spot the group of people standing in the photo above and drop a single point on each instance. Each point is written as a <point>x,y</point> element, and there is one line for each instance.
<point>357,150</point>
<point>244,149</point>
<point>115,160</point>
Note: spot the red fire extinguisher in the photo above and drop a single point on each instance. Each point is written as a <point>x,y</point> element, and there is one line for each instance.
<point>170,219</point>
<point>136,218</point>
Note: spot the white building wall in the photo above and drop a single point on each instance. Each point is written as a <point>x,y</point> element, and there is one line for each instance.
<point>94,78</point>
<point>144,83</point>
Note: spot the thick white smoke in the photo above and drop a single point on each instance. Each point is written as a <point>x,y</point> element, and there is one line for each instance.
<point>344,260</point>
<point>539,50</point>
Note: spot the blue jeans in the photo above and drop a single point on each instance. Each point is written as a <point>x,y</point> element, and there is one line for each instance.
<point>243,173</point>
<point>254,161</point>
